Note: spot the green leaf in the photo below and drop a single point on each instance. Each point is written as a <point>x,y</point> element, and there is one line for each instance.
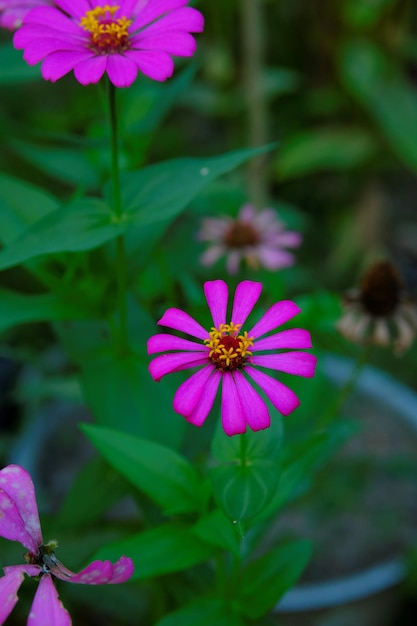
<point>95,489</point>
<point>326,149</point>
<point>265,580</point>
<point>156,195</point>
<point>77,226</point>
<point>69,165</point>
<point>204,612</point>
<point>364,13</point>
<point>16,308</point>
<point>162,474</point>
<point>162,550</point>
<point>216,529</point>
<point>21,205</point>
<point>248,470</point>
<point>13,69</point>
<point>377,83</point>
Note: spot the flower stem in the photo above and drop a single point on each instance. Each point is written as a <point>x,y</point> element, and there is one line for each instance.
<point>118,210</point>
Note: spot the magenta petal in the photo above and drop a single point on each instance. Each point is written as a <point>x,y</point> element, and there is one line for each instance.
<point>185,20</point>
<point>169,363</point>
<point>246,296</point>
<point>233,419</point>
<point>180,320</point>
<point>16,483</point>
<point>121,70</point>
<point>297,363</point>
<point>278,314</point>
<point>98,572</point>
<point>47,609</point>
<point>9,586</point>
<point>255,410</point>
<point>122,570</point>
<point>189,393</point>
<point>164,342</point>
<point>205,403</point>
<point>90,70</point>
<point>57,64</point>
<point>156,64</point>
<point>292,338</point>
<point>217,294</point>
<point>150,11</point>
<point>283,398</point>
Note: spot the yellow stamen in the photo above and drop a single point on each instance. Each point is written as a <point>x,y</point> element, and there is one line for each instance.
<point>107,34</point>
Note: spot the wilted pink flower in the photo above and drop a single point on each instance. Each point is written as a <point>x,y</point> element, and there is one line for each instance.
<point>19,521</point>
<point>120,37</point>
<point>259,237</point>
<point>229,355</point>
<point>12,12</point>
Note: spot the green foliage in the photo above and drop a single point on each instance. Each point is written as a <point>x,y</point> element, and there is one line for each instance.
<point>159,472</point>
<point>205,612</point>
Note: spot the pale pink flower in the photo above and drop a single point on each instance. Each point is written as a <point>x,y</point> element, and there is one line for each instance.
<point>230,356</point>
<point>120,37</point>
<point>19,521</point>
<point>12,12</point>
<point>258,237</point>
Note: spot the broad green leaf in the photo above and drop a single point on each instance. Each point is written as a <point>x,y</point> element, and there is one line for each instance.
<point>67,164</point>
<point>248,470</point>
<point>265,580</point>
<point>326,149</point>
<point>162,550</point>
<point>21,205</point>
<point>377,83</point>
<point>162,474</point>
<point>16,308</point>
<point>204,612</point>
<point>13,69</point>
<point>77,226</point>
<point>95,489</point>
<point>365,13</point>
<point>216,529</point>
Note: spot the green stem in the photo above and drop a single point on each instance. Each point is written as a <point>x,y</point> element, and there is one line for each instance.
<point>334,408</point>
<point>121,274</point>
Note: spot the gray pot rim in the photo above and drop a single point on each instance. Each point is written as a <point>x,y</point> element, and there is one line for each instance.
<point>385,575</point>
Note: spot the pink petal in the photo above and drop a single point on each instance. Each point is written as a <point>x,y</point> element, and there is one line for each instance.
<point>246,296</point>
<point>47,609</point>
<point>292,338</point>
<point>98,572</point>
<point>16,483</point>
<point>274,259</point>
<point>9,586</point>
<point>283,398</point>
<point>169,363</point>
<point>179,44</point>
<point>211,255</point>
<point>254,408</point>
<point>121,70</point>
<point>189,393</point>
<point>156,8</point>
<point>205,403</point>
<point>297,363</point>
<point>233,419</point>
<point>278,314</point>
<point>90,70</point>
<point>187,20</point>
<point>164,342</point>
<point>217,294</point>
<point>233,260</point>
<point>156,64</point>
<point>53,19</point>
<point>57,64</point>
<point>180,320</point>
<point>76,8</point>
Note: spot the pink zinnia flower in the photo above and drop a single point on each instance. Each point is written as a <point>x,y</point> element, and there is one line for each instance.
<point>229,355</point>
<point>12,12</point>
<point>19,521</point>
<point>120,37</point>
<point>258,237</point>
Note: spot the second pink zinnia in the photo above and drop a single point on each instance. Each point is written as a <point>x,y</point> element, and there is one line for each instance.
<point>230,356</point>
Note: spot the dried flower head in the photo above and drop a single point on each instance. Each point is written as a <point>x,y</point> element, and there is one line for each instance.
<point>258,237</point>
<point>380,311</point>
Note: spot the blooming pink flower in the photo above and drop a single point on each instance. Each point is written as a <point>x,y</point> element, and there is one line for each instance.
<point>120,37</point>
<point>229,355</point>
<point>259,237</point>
<point>19,521</point>
<point>12,12</point>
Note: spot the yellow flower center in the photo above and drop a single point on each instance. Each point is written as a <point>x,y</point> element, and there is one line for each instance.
<point>107,35</point>
<point>228,349</point>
